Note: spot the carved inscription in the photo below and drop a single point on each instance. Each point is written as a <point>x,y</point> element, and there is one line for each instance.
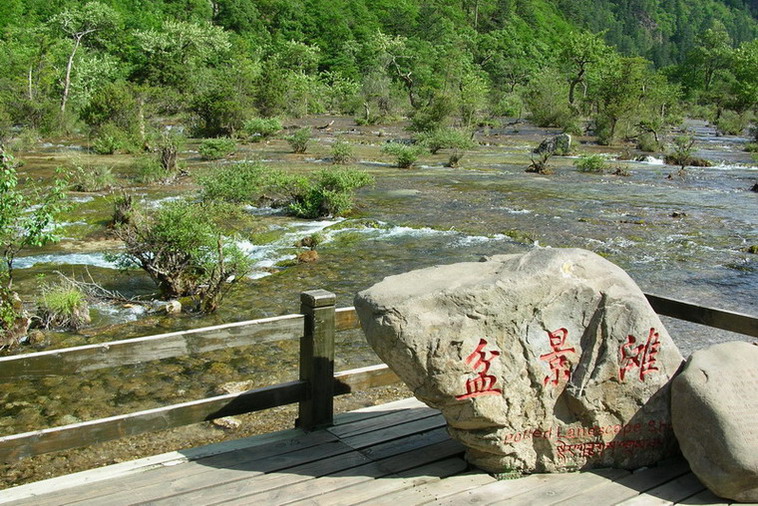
<point>639,356</point>
<point>560,368</point>
<point>588,442</point>
<point>483,383</point>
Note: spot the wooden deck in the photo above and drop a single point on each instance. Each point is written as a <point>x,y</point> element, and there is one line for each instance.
<point>395,454</point>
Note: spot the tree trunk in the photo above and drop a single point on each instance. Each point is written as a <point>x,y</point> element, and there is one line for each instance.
<point>31,91</point>
<point>69,67</point>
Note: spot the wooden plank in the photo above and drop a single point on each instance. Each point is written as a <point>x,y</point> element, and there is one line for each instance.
<point>560,486</point>
<point>123,470</point>
<point>719,318</point>
<point>394,432</point>
<point>290,476</point>
<point>356,380</point>
<point>708,497</point>
<point>69,361</point>
<point>216,492</point>
<point>317,359</point>
<point>346,319</point>
<point>534,485</point>
<point>612,492</point>
<point>364,474</point>
<point>379,422</point>
<point>382,450</point>
<point>369,491</point>
<point>74,435</point>
<point>173,490</point>
<point>671,492</point>
<point>163,474</point>
<point>436,490</point>
<point>377,410</point>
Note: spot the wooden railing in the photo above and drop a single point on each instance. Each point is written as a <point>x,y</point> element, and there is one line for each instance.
<point>314,390</point>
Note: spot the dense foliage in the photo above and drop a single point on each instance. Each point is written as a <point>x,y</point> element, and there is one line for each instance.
<point>220,65</point>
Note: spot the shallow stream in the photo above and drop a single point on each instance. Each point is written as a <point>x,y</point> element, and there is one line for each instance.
<point>684,238</point>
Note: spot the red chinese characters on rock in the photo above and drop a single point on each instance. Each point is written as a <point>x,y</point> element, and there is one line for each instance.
<point>639,356</point>
<point>556,359</point>
<point>483,383</point>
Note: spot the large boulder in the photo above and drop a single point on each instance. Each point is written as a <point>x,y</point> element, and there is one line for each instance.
<point>548,361</point>
<point>557,145</point>
<point>714,409</point>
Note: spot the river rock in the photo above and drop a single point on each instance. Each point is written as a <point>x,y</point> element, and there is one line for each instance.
<point>714,409</point>
<point>547,361</point>
<point>557,145</point>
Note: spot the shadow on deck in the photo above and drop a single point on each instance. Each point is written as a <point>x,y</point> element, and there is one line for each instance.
<point>397,453</point>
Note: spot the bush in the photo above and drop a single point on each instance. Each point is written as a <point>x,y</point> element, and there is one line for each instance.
<point>547,100</point>
<point>111,138</point>
<point>342,152</point>
<point>62,306</point>
<point>331,194</point>
<point>299,140</point>
<point>150,170</point>
<point>183,252</point>
<point>406,155</point>
<point>448,138</point>
<point>92,179</point>
<point>257,129</point>
<point>751,147</point>
<point>591,163</point>
<point>646,142</point>
<point>732,123</point>
<point>215,149</point>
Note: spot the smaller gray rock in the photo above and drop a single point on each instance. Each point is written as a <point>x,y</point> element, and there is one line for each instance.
<point>714,410</point>
<point>558,145</point>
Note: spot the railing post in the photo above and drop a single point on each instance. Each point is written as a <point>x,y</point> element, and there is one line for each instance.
<point>317,359</point>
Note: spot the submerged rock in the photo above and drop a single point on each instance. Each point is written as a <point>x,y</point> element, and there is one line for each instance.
<point>547,361</point>
<point>714,408</point>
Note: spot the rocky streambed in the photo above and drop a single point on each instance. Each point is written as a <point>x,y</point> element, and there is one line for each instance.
<point>688,238</point>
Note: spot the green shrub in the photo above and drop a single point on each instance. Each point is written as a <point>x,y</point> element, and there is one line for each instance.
<point>26,140</point>
<point>751,147</point>
<point>299,140</point>
<point>183,252</point>
<point>257,129</point>
<point>111,139</point>
<point>330,194</point>
<point>591,163</point>
<point>646,142</point>
<point>405,154</point>
<point>448,138</point>
<point>150,170</point>
<point>509,105</point>
<point>62,306</point>
<point>215,149</point>
<point>342,152</point>
<point>732,123</point>
<point>546,98</point>
<point>92,179</point>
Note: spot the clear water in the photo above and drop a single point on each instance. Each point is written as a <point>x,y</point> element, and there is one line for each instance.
<point>680,238</point>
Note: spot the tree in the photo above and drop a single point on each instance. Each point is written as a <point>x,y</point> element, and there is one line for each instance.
<point>19,228</point>
<point>183,252</point>
<point>78,23</point>
<point>712,53</point>
<point>170,56</point>
<point>581,51</point>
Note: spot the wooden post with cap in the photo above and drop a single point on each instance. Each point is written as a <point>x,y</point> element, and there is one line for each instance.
<point>317,359</point>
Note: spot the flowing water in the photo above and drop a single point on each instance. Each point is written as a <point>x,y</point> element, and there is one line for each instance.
<point>685,238</point>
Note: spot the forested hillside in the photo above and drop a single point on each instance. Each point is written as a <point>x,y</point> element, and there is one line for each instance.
<point>114,66</point>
